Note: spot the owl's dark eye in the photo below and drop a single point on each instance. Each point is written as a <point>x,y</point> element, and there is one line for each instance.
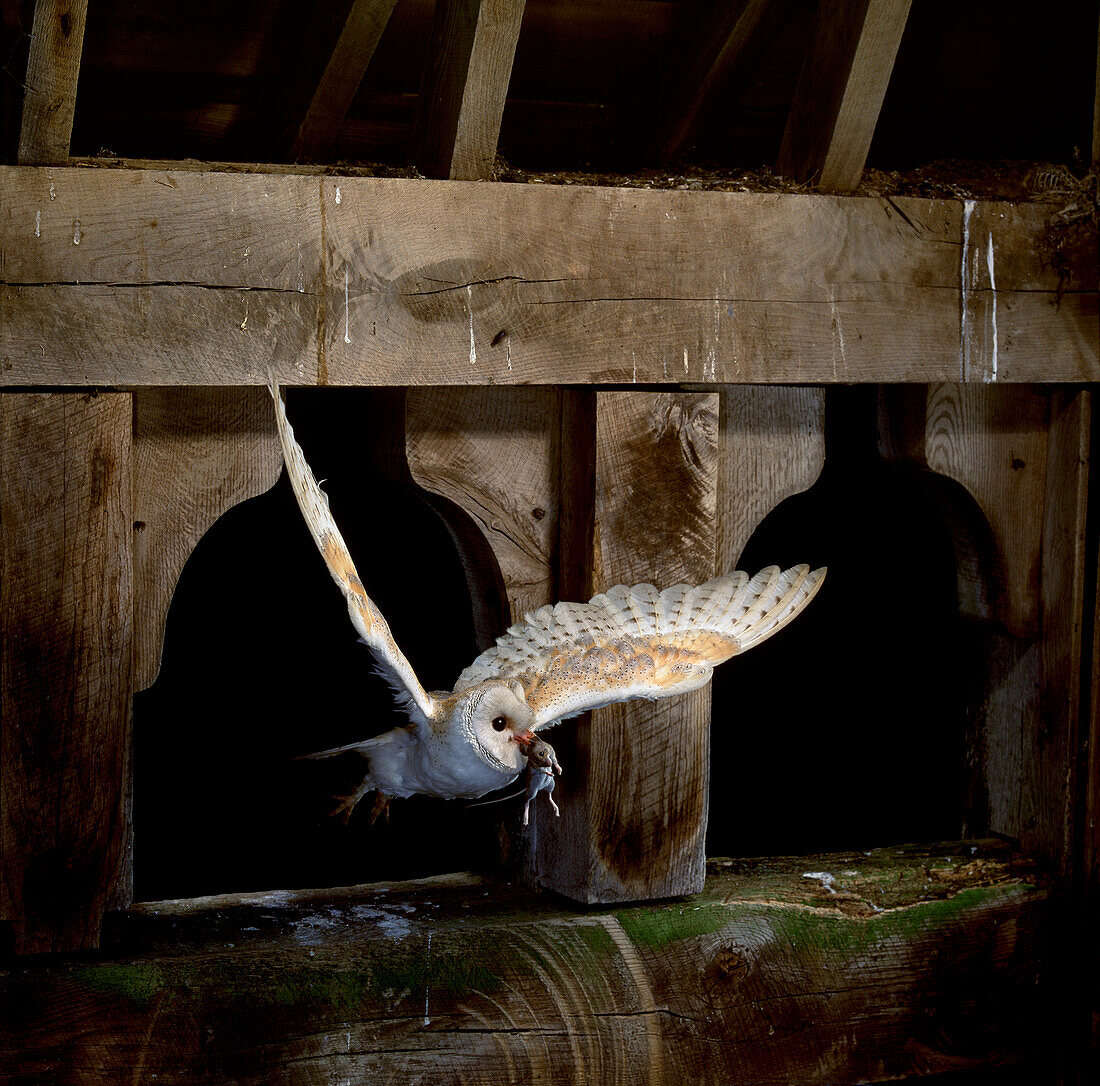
<point>499,723</point>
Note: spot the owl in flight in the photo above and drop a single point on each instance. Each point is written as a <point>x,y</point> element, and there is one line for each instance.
<point>562,660</point>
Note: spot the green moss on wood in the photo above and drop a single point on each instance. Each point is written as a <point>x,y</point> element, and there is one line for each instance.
<point>136,981</point>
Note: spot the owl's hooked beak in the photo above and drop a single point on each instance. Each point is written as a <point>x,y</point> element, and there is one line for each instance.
<point>525,739</point>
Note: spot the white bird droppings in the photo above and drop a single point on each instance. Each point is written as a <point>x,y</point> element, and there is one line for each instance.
<point>38,224</point>
<point>337,193</point>
<point>993,297</point>
<point>78,234</point>
<point>964,280</point>
<point>347,309</point>
<point>470,312</point>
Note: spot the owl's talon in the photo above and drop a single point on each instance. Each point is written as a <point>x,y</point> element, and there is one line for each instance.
<point>381,807</point>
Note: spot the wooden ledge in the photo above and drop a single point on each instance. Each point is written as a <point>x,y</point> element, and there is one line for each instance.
<point>125,277</point>
<point>839,968</point>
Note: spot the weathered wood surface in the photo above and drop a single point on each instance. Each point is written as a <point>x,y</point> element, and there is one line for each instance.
<point>1022,455</point>
<point>340,80</point>
<point>900,965</point>
<point>771,446</point>
<point>638,504</point>
<point>196,454</point>
<point>840,91</point>
<point>497,457</point>
<point>993,442</point>
<point>65,616</point>
<point>134,277</point>
<point>53,68</point>
<point>473,45</point>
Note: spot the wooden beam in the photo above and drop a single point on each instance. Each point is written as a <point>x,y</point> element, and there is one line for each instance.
<point>197,453</point>
<point>53,67</point>
<point>634,808</point>
<point>65,617</point>
<point>344,72</point>
<point>129,277</point>
<point>905,964</point>
<point>721,47</point>
<point>840,92</point>
<point>470,58</point>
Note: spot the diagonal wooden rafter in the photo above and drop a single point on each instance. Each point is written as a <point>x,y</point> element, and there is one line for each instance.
<point>840,91</point>
<point>344,72</point>
<point>723,44</point>
<point>53,68</point>
<point>465,85</point>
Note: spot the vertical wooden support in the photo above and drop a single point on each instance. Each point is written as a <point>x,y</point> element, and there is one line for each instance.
<point>772,446</point>
<point>470,59</point>
<point>197,453</point>
<point>65,612</point>
<point>1022,454</point>
<point>639,503</point>
<point>840,91</point>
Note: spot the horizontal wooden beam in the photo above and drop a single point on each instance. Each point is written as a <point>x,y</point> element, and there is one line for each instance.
<point>842,969</point>
<point>131,277</point>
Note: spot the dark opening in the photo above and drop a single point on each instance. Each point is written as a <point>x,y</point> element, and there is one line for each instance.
<point>846,730</point>
<point>262,664</point>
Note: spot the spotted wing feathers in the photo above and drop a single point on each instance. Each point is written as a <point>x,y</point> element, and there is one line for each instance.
<point>365,616</point>
<point>638,642</point>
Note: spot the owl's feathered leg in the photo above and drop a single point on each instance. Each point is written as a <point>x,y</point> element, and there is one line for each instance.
<point>347,803</point>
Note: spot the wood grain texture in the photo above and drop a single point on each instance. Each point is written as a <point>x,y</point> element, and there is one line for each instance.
<point>840,91</point>
<point>196,454</point>
<point>66,594</point>
<point>53,68</point>
<point>411,282</point>
<point>344,72</point>
<point>1022,454</point>
<point>993,442</point>
<point>723,45</point>
<point>470,56</point>
<point>771,446</point>
<point>495,454</point>
<point>635,804</point>
<point>1058,738</point>
<point>766,978</point>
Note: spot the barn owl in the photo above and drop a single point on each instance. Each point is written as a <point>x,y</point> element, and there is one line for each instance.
<point>562,660</point>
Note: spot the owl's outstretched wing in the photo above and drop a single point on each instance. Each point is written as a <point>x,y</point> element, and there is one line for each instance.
<point>638,642</point>
<point>365,616</point>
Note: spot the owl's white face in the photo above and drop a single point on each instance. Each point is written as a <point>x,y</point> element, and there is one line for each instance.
<point>495,720</point>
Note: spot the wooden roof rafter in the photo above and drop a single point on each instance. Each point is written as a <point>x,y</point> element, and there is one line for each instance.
<point>342,76</point>
<point>840,92</point>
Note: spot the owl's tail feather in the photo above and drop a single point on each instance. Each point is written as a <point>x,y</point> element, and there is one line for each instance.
<point>363,747</point>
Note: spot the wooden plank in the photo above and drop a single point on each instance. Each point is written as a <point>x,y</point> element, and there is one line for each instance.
<point>721,47</point>
<point>344,72</point>
<point>771,446</point>
<point>993,442</point>
<point>840,91</point>
<point>766,978</point>
<point>65,612</point>
<point>635,805</point>
<point>494,455</point>
<point>197,453</point>
<point>53,67</point>
<point>469,66</point>
<point>410,282</point>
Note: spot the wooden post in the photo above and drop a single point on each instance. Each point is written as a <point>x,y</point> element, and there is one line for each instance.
<point>65,617</point>
<point>639,487</point>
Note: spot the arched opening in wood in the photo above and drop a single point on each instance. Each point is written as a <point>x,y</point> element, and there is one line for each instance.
<point>849,729</point>
<point>261,665</point>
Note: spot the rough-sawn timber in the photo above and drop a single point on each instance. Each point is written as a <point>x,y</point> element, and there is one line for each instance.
<point>155,277</point>
<point>839,968</point>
